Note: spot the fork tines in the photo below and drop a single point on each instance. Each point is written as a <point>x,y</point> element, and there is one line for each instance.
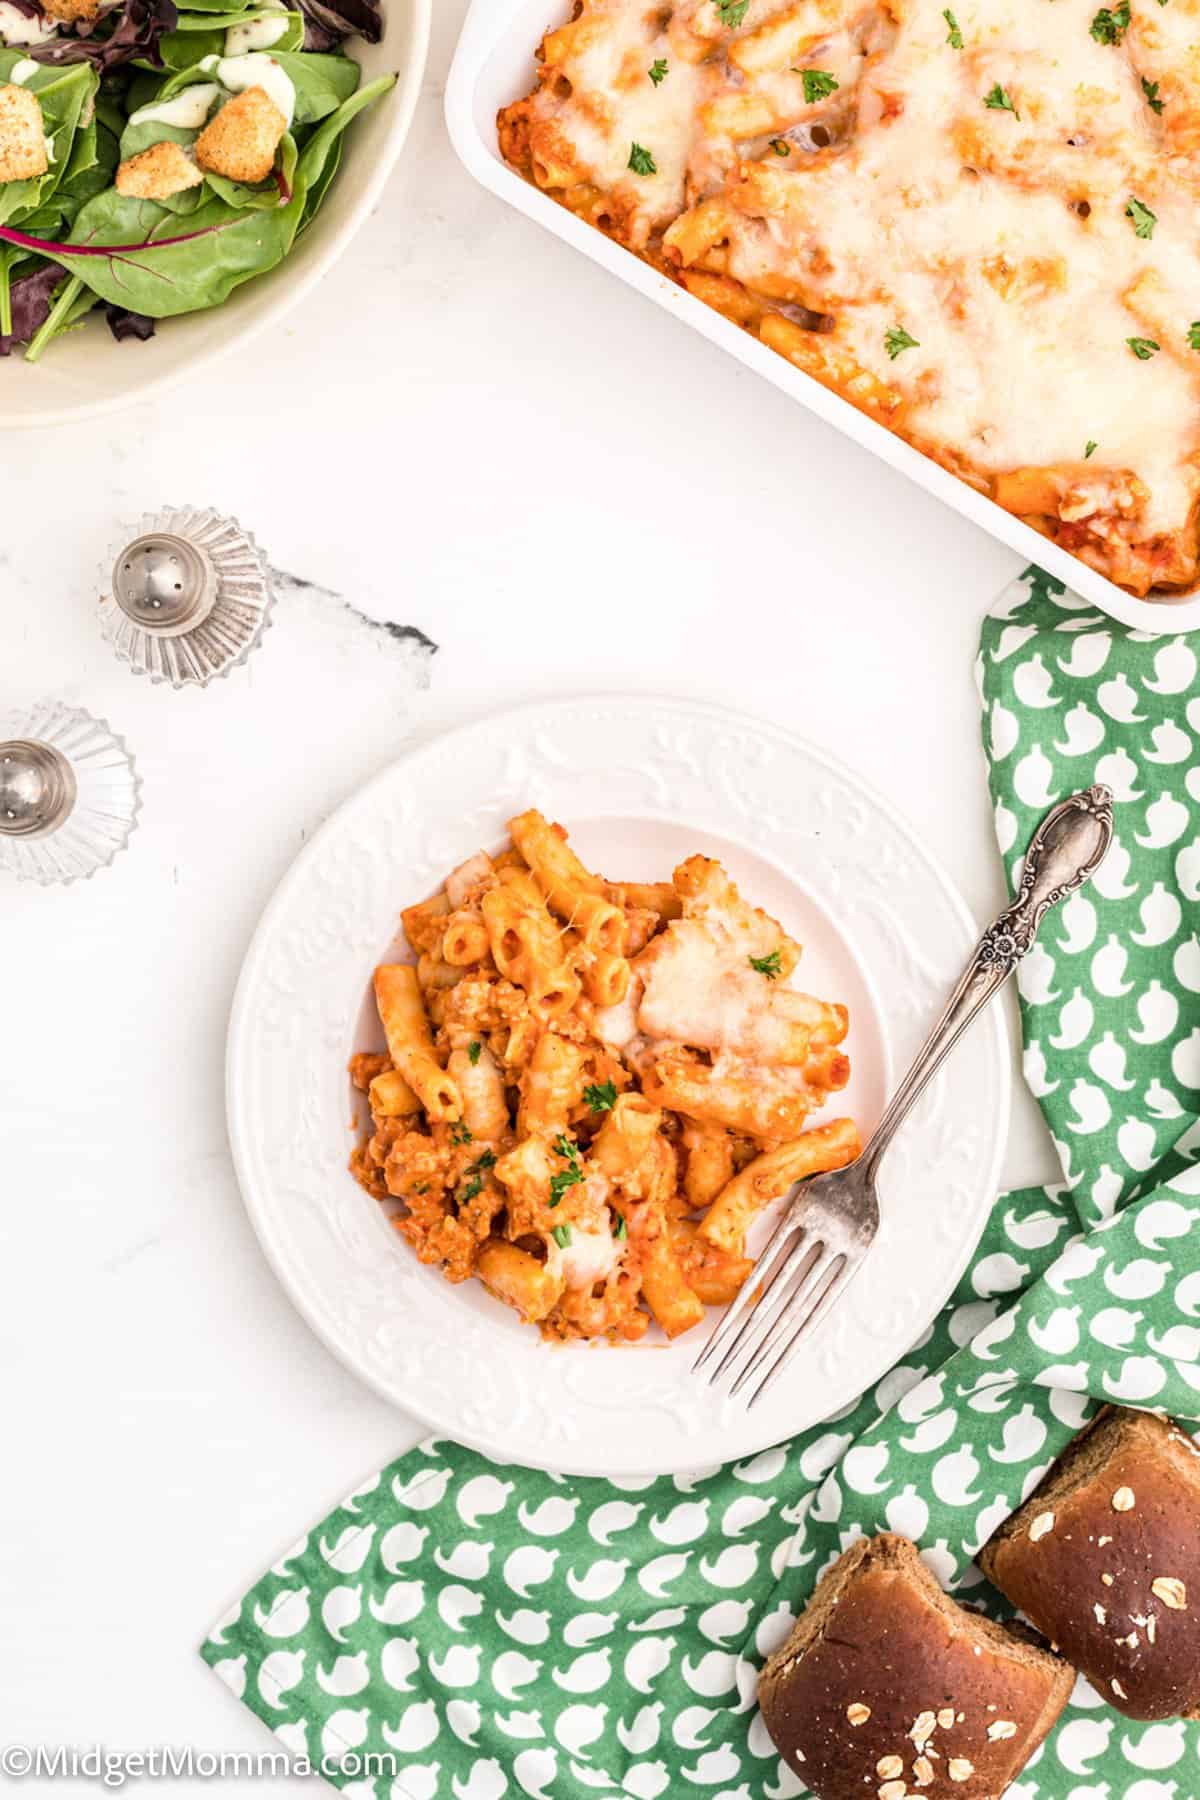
<point>785,1296</point>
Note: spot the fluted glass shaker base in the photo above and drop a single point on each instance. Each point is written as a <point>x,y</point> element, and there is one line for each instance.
<point>69,794</point>
<point>184,596</point>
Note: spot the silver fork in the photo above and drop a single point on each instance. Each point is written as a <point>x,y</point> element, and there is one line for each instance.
<point>830,1221</point>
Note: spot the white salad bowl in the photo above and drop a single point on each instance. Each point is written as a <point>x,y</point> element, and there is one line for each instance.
<point>88,373</point>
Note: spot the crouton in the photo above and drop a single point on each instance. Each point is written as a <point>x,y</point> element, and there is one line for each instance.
<point>242,140</point>
<point>157,173</point>
<point>68,11</point>
<point>22,135</point>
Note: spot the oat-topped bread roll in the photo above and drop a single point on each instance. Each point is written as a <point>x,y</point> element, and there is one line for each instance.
<point>1104,1557</point>
<point>888,1689</point>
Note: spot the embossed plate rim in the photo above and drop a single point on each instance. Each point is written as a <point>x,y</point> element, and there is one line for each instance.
<point>595,1439</point>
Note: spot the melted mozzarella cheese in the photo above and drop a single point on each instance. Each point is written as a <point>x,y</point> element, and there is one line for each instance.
<point>701,990</point>
<point>590,1257</point>
<point>618,1025</point>
<point>701,986</point>
<point>997,237</point>
<point>660,118</point>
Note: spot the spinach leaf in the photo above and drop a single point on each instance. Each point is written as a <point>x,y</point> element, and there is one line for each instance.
<point>200,34</point>
<point>325,141</point>
<point>184,49</point>
<point>322,83</point>
<point>159,270</point>
<point>191,23</point>
<point>111,107</point>
<point>318,185</point>
<point>61,94</point>
<point>172,85</point>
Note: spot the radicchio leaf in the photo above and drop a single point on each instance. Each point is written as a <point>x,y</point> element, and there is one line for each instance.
<point>32,296</point>
<point>139,26</point>
<point>328,22</point>
<point>125,324</point>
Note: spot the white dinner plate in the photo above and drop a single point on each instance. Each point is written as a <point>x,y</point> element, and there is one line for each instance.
<point>640,783</point>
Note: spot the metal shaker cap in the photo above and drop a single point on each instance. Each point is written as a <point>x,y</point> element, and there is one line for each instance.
<point>69,794</point>
<point>187,597</point>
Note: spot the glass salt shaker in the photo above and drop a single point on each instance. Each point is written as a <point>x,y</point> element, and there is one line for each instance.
<point>187,598</point>
<point>69,794</point>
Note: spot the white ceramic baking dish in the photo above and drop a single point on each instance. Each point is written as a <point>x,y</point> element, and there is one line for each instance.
<point>86,373</point>
<point>493,65</point>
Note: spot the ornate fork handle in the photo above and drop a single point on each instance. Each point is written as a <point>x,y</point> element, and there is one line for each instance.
<point>1065,851</point>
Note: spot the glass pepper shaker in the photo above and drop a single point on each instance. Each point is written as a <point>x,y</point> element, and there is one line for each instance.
<point>187,598</point>
<point>69,794</point>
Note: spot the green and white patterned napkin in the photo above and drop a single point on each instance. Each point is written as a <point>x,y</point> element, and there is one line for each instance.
<point>497,1631</point>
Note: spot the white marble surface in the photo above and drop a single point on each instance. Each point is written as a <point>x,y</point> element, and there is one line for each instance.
<point>470,430</point>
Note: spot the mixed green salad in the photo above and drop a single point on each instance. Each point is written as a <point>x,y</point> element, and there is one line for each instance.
<point>154,158</point>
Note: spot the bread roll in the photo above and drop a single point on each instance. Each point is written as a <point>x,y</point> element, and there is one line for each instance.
<point>886,1688</point>
<point>1104,1557</point>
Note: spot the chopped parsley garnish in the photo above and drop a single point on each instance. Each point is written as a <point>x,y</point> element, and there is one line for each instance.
<point>1143,219</point>
<point>781,147</point>
<point>562,1235</point>
<point>600,1096</point>
<point>1110,26</point>
<point>770,965</point>
<point>475,1051</point>
<point>641,161</point>
<point>818,84</point>
<point>621,1229</point>
<point>475,1177</point>
<point>955,36</point>
<point>1194,335</point>
<point>569,1177</point>
<point>1091,445</point>
<point>896,340</point>
<point>999,100</point>
<point>658,70</point>
<point>422,1187</point>
<point>559,1184</point>
<point>460,1133</point>
<point>1150,89</point>
<point>1143,348</point>
<point>731,12</point>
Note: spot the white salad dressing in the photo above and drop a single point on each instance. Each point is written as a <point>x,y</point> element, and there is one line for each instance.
<point>259,35</point>
<point>17,27</point>
<point>188,110</point>
<point>23,71</point>
<point>240,72</point>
